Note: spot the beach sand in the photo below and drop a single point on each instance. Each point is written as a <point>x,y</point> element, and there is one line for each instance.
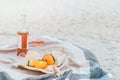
<point>92,24</point>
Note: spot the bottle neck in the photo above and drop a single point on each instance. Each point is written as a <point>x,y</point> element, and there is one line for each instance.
<point>23,27</point>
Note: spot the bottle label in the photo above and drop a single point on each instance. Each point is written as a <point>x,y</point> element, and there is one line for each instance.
<point>22,41</point>
<point>19,41</point>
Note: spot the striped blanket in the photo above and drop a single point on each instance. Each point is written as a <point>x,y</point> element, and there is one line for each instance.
<point>80,63</point>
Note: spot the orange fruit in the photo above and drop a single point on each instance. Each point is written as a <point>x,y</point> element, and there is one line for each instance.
<point>49,59</point>
<point>31,62</point>
<point>40,64</point>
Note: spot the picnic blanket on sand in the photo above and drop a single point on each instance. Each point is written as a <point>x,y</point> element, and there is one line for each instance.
<point>79,64</point>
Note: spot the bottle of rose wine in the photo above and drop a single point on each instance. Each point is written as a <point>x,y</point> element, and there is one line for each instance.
<point>22,39</point>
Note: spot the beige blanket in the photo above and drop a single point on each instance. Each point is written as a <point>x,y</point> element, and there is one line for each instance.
<point>74,60</point>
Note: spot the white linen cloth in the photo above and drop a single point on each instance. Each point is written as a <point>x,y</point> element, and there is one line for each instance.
<point>75,59</point>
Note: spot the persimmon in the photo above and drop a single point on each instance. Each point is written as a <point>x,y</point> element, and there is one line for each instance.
<point>31,62</point>
<point>49,59</point>
<point>37,63</point>
<point>40,64</point>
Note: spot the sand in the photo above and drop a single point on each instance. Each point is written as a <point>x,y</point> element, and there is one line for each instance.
<point>93,24</point>
<point>106,51</point>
